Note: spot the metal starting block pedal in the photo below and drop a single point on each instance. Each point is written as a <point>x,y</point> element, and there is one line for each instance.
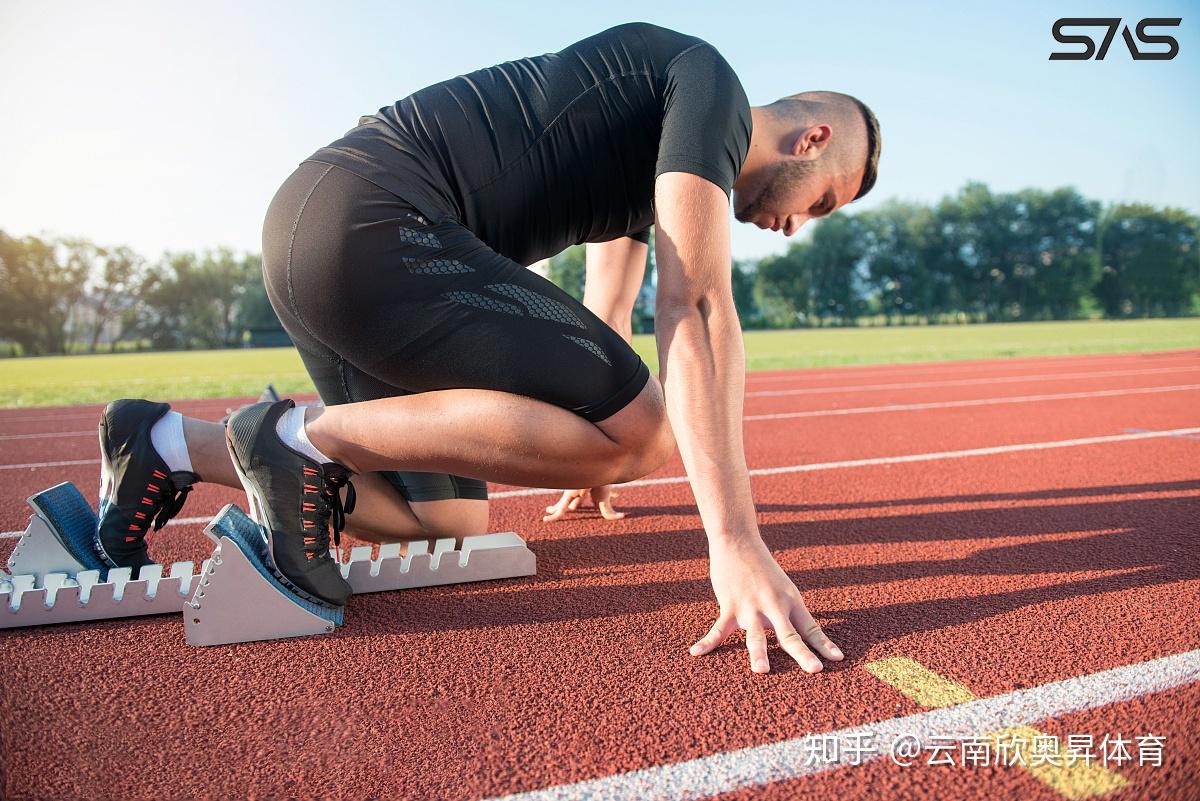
<point>239,599</point>
<point>55,576</point>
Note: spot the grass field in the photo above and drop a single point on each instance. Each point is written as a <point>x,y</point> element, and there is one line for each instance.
<point>62,380</point>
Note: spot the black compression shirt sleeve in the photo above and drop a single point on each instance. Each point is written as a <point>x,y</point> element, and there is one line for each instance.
<point>706,121</point>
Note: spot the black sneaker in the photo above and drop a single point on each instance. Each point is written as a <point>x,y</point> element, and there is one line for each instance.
<point>294,499</point>
<point>137,489</point>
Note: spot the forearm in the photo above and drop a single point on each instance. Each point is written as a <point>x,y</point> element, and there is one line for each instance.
<point>703,375</point>
<point>614,278</point>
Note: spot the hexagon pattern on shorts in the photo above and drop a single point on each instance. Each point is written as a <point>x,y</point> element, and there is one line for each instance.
<point>425,239</point>
<point>483,302</point>
<point>435,266</point>
<point>591,347</point>
<point>539,306</point>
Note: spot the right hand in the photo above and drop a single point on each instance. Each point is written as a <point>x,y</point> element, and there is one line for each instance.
<point>570,500</point>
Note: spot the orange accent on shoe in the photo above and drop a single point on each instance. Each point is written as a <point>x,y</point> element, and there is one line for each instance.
<point>134,527</point>
<point>131,539</point>
<point>309,524</point>
<point>310,488</point>
<point>140,515</point>
<point>310,556</point>
<point>308,471</point>
<point>152,487</point>
<point>159,474</point>
<point>309,507</point>
<point>147,502</point>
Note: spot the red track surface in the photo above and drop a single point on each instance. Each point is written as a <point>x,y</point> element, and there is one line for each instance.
<point>1001,572</point>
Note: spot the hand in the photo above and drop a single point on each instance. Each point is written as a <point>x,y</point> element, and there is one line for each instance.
<point>570,500</point>
<point>755,594</point>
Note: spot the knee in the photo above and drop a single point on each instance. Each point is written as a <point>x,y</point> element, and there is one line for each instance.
<point>651,448</point>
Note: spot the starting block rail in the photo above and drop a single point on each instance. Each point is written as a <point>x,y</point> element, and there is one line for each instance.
<point>55,576</point>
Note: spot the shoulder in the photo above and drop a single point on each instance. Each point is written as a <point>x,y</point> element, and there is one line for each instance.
<point>663,43</point>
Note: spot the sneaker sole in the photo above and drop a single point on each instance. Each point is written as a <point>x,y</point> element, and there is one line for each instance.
<point>258,514</point>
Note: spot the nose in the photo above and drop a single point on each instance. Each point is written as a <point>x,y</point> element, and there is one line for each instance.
<point>795,223</point>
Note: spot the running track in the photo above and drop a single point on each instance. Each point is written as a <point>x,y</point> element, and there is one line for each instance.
<point>1026,529</point>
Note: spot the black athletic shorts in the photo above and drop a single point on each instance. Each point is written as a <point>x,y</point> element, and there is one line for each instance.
<point>381,301</point>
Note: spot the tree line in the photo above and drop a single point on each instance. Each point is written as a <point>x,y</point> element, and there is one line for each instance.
<point>71,295</point>
<point>975,256</point>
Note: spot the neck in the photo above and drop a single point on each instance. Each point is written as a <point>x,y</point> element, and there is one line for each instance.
<point>760,146</point>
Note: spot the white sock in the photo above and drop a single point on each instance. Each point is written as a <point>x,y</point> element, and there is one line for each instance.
<point>167,438</point>
<point>290,429</point>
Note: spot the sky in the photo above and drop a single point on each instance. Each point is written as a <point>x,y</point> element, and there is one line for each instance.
<point>168,125</point>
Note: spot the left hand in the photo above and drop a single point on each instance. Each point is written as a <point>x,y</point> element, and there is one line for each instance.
<point>571,499</point>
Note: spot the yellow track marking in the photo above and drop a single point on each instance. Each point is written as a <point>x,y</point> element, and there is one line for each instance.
<point>1073,778</point>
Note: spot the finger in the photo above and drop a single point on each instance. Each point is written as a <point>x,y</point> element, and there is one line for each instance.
<point>558,505</point>
<point>813,635</point>
<point>791,642</point>
<point>559,510</point>
<point>716,635</point>
<point>756,644</point>
<point>608,512</point>
<point>556,511</point>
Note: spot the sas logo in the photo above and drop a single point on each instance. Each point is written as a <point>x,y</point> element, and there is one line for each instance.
<point>1155,43</point>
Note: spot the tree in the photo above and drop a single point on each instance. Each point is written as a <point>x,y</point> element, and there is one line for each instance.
<point>905,259</point>
<point>1151,262</point>
<point>567,271</point>
<point>782,288</point>
<point>743,278</point>
<point>832,262</point>
<point>38,292</point>
<point>113,278</point>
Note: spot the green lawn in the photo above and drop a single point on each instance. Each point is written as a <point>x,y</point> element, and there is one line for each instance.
<point>60,380</point>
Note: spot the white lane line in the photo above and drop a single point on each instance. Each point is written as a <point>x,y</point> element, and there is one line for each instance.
<point>818,466</point>
<point>881,460</point>
<point>967,382</point>
<point>996,365</point>
<point>37,465</point>
<point>909,407</point>
<point>49,435</point>
<point>1180,436</point>
<point>896,407</point>
<point>728,771</point>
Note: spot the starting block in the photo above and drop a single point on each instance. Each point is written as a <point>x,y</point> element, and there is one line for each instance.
<point>55,576</point>
<point>237,578</point>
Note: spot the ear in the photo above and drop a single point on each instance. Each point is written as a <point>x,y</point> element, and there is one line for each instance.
<point>812,140</point>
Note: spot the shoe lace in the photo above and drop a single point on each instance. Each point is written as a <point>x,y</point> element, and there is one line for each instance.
<point>168,500</point>
<point>331,511</point>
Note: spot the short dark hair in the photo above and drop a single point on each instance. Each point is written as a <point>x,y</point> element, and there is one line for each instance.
<point>871,168</point>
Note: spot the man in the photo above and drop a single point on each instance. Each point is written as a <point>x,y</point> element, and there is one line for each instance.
<point>394,258</point>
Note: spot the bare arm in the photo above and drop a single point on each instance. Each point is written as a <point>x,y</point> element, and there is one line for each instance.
<point>703,372</point>
<point>701,356</point>
<point>614,276</point>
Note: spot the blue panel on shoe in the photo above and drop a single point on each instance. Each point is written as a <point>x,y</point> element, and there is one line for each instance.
<point>237,526</point>
<point>73,522</point>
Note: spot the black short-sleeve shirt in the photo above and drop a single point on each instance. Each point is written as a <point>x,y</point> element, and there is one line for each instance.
<point>545,152</point>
